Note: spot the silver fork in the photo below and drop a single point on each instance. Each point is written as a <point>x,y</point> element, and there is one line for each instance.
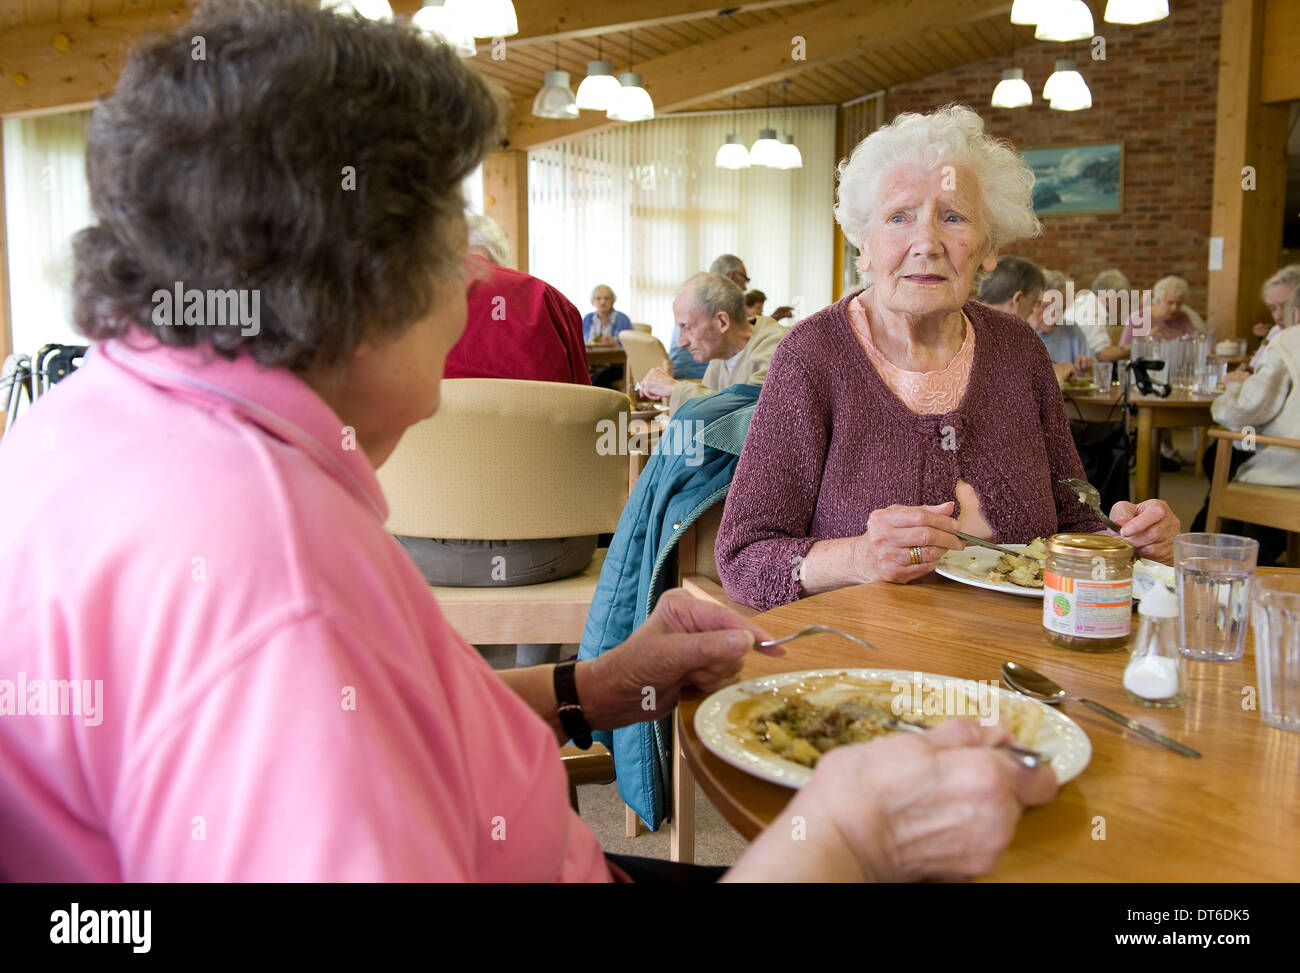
<point>814,630</point>
<point>1030,758</point>
<point>1089,497</point>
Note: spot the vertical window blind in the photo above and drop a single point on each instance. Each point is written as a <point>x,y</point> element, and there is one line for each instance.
<point>642,207</point>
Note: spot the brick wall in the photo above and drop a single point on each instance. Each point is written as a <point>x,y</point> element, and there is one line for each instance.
<point>1156,91</point>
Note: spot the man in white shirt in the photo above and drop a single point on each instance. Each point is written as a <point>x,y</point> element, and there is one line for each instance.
<point>710,313</point>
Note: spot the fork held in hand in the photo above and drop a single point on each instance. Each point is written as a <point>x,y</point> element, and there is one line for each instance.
<point>814,630</point>
<point>1089,497</point>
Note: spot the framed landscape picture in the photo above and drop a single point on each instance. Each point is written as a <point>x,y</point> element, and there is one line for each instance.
<point>1078,179</point>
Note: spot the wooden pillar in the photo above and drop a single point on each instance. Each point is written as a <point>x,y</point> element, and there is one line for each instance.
<point>1249,151</point>
<point>837,245</point>
<point>505,199</point>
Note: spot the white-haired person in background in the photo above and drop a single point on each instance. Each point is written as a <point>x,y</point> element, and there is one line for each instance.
<point>604,323</point>
<point>1276,291</point>
<point>710,315</point>
<point>906,412</point>
<point>1088,312</point>
<point>1169,317</point>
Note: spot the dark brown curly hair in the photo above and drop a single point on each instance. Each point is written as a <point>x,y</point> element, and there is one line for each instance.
<point>229,172</point>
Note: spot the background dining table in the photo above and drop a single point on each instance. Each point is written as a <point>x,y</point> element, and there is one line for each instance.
<point>1153,413</point>
<point>1137,813</point>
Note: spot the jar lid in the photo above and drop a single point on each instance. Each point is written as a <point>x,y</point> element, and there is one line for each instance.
<point>1091,545</point>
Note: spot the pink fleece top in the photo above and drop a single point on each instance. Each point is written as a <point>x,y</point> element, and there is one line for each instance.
<point>281,697</point>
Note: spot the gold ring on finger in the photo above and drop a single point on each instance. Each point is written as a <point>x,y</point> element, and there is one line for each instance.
<point>915,554</point>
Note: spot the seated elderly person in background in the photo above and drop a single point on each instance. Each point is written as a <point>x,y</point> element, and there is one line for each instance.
<point>710,313</point>
<point>278,665</point>
<point>906,412</point>
<point>685,365</point>
<point>1066,344</point>
<point>1090,312</point>
<point>1015,285</point>
<point>1166,317</point>
<point>1267,401</point>
<point>603,324</point>
<point>1275,293</point>
<point>517,326</point>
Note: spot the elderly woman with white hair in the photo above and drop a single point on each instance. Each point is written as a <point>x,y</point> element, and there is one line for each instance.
<point>906,412</point>
<point>1168,317</point>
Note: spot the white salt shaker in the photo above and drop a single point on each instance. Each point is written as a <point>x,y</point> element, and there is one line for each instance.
<point>1155,675</point>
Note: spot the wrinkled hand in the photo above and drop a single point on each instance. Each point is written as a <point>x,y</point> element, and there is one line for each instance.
<point>1064,371</point>
<point>1083,363</point>
<point>943,804</point>
<point>783,312</point>
<point>657,384</point>
<point>883,553</point>
<point>1149,526</point>
<point>684,642</point>
<point>1238,374</point>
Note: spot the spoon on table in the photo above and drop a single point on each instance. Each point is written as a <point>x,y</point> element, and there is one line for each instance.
<point>1037,686</point>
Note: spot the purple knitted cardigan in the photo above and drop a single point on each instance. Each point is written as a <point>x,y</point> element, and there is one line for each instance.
<point>829,443</point>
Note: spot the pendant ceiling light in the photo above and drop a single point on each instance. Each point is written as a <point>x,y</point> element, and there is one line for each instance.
<point>790,157</point>
<point>1012,91</point>
<point>599,88</point>
<point>633,103</point>
<point>555,100</point>
<point>766,150</point>
<point>485,18</point>
<point>370,9</point>
<point>1027,13</point>
<point>1064,20</point>
<point>434,20</point>
<point>1066,90</point>
<point>1135,11</point>
<point>732,154</point>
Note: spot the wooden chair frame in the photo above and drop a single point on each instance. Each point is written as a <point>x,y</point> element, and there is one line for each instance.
<point>1268,506</point>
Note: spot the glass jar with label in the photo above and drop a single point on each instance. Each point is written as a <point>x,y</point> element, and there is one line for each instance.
<point>1088,592</point>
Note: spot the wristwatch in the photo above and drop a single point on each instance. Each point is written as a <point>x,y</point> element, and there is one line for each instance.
<point>566,694</point>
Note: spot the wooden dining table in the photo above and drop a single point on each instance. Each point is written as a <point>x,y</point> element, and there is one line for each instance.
<point>1153,413</point>
<point>1137,813</point>
<point>599,355</point>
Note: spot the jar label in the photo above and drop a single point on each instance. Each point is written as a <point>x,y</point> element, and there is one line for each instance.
<point>1087,609</point>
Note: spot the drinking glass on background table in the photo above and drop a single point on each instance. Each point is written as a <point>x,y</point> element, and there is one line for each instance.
<point>1277,649</point>
<point>1101,374</point>
<point>1214,575</point>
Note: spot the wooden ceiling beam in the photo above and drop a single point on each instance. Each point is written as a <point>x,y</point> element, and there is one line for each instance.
<point>760,55</point>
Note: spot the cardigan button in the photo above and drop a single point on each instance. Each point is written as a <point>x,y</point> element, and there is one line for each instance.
<point>677,526</point>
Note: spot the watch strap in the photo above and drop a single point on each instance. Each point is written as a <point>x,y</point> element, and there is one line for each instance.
<point>566,696</point>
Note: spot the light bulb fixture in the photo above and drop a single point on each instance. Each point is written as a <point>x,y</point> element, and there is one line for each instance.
<point>1072,95</point>
<point>370,9</point>
<point>434,20</point>
<point>1135,11</point>
<point>766,151</point>
<point>1065,20</point>
<point>732,154</point>
<point>633,102</point>
<point>1028,13</point>
<point>1012,91</point>
<point>1064,68</point>
<point>791,157</point>
<point>485,18</point>
<point>555,100</point>
<point>599,88</point>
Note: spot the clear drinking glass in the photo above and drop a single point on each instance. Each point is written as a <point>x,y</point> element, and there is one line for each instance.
<point>1214,574</point>
<point>1277,649</point>
<point>1101,374</point>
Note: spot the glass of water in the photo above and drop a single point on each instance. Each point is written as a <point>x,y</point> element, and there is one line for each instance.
<point>1277,649</point>
<point>1214,574</point>
<point>1101,374</point>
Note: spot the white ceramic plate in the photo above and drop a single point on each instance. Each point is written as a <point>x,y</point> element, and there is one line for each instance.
<point>1058,737</point>
<point>972,566</point>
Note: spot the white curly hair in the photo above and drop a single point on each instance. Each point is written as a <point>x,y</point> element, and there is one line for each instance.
<point>953,135</point>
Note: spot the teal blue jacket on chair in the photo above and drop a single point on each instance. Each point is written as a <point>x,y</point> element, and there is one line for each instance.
<point>689,472</point>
